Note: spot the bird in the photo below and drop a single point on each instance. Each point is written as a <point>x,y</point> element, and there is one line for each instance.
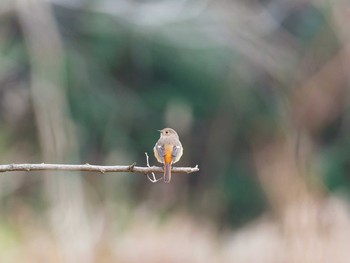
<point>168,150</point>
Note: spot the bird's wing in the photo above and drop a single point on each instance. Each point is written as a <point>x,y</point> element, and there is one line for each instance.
<point>160,150</point>
<point>176,150</point>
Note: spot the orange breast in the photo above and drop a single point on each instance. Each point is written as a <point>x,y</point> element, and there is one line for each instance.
<point>168,158</point>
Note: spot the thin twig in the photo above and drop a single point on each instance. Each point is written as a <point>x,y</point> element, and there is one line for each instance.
<point>93,168</point>
<point>154,180</point>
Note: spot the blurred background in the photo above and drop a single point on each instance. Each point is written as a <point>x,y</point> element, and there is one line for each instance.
<point>258,91</point>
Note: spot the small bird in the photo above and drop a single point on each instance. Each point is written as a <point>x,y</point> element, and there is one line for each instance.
<point>168,150</point>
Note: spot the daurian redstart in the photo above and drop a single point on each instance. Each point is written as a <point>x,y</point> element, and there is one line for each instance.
<point>168,150</point>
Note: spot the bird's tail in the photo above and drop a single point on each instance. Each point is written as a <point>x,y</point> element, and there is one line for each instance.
<point>167,172</point>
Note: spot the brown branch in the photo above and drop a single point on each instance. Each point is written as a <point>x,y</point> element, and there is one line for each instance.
<point>93,168</point>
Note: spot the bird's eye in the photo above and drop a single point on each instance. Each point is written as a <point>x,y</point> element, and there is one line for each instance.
<point>166,132</point>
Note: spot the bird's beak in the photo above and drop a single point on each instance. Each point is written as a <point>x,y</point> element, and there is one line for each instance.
<point>159,130</point>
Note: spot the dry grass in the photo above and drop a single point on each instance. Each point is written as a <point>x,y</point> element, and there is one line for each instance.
<point>181,238</point>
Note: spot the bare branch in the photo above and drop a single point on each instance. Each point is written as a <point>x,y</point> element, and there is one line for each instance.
<point>93,168</point>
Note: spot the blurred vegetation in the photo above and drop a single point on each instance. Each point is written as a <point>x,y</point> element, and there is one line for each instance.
<point>226,75</point>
